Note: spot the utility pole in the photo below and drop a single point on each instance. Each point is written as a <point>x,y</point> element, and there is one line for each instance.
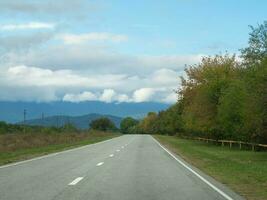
<point>24,119</point>
<point>43,119</point>
<point>57,122</point>
<point>24,116</point>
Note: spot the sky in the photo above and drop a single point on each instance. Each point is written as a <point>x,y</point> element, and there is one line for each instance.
<point>114,51</point>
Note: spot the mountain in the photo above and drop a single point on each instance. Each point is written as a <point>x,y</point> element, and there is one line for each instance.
<point>13,111</point>
<point>81,122</point>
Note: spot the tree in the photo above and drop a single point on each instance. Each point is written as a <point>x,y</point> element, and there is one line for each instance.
<point>201,93</point>
<point>127,124</point>
<point>69,127</point>
<point>257,48</point>
<point>102,124</point>
<point>255,78</point>
<point>149,125</point>
<point>223,98</point>
<point>169,121</point>
<point>231,118</point>
<point>3,127</point>
<point>220,97</point>
<point>255,73</point>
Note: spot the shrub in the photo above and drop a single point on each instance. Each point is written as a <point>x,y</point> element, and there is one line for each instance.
<point>103,124</point>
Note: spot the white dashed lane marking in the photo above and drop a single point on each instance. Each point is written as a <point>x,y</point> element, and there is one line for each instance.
<point>99,164</point>
<point>75,181</point>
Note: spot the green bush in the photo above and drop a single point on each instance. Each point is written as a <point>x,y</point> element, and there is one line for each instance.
<point>103,124</point>
<point>127,125</point>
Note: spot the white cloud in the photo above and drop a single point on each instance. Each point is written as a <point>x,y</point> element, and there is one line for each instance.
<point>94,36</point>
<point>143,94</point>
<point>123,98</point>
<point>84,96</point>
<point>30,25</point>
<point>33,76</point>
<point>108,95</point>
<point>171,98</point>
<point>57,62</point>
<point>75,86</point>
<point>70,9</point>
<point>96,59</point>
<point>156,94</point>
<point>164,77</point>
<point>19,44</point>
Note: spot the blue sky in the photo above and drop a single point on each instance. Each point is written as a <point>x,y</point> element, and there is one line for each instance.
<point>124,51</point>
<point>188,26</point>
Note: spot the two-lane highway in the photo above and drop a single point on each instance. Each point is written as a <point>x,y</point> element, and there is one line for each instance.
<point>128,167</point>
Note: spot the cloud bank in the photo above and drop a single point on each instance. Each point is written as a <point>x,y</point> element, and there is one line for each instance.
<point>69,85</point>
<point>30,25</point>
<point>78,72</point>
<point>95,36</point>
<point>53,50</point>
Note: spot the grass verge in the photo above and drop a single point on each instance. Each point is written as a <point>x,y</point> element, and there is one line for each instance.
<point>17,147</point>
<point>243,171</point>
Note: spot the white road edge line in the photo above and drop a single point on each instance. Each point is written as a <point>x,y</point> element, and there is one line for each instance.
<point>54,154</point>
<point>111,155</point>
<point>99,164</point>
<point>195,173</point>
<point>75,181</point>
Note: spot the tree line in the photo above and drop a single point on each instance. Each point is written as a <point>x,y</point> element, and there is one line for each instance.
<point>100,124</point>
<point>222,97</point>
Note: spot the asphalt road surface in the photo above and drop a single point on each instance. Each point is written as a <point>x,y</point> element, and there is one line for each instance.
<point>130,167</point>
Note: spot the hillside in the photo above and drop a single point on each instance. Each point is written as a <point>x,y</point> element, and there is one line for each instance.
<point>13,111</point>
<point>81,122</point>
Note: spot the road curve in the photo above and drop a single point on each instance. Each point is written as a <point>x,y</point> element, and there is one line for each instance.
<point>129,167</point>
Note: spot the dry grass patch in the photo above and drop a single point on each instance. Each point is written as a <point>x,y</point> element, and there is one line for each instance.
<point>14,147</point>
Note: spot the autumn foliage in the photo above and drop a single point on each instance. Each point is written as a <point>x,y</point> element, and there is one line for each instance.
<point>221,97</point>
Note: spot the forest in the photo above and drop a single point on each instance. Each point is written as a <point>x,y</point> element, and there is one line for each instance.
<point>222,97</point>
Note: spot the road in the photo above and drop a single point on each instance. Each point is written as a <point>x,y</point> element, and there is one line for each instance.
<point>130,167</point>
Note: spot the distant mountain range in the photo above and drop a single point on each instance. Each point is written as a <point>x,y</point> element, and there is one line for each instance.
<point>12,112</point>
<point>81,122</point>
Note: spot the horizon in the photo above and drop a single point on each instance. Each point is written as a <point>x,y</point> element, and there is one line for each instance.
<point>13,112</point>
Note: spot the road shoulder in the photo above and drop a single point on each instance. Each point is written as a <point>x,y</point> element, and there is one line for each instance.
<point>225,190</point>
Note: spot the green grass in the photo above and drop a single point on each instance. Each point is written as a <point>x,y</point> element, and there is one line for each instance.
<point>243,171</point>
<point>11,152</point>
